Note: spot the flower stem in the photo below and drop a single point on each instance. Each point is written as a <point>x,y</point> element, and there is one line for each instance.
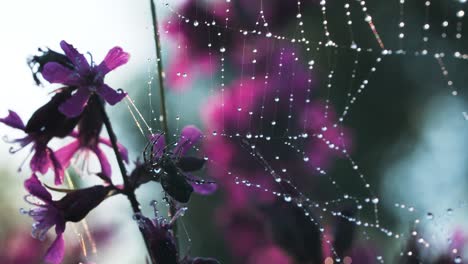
<point>129,190</point>
<point>160,71</point>
<point>162,97</point>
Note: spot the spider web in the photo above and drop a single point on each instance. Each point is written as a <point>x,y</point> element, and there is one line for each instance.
<point>338,70</point>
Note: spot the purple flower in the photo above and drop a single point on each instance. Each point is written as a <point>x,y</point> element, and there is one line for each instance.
<point>88,79</point>
<point>173,167</point>
<point>72,207</point>
<point>158,233</point>
<point>88,139</point>
<point>47,122</point>
<point>43,157</point>
<point>160,236</point>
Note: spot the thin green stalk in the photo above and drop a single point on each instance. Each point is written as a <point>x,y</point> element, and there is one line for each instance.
<point>157,42</point>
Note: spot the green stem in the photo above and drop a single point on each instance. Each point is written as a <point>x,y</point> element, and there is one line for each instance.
<point>162,97</point>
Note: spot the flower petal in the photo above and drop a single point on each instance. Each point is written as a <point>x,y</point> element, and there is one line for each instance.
<point>201,186</point>
<point>110,95</point>
<point>54,72</point>
<point>115,57</point>
<point>188,164</point>
<point>78,59</point>
<point>105,165</point>
<point>57,167</point>
<point>40,161</point>
<point>56,251</point>
<point>75,105</point>
<point>204,189</point>
<point>122,149</point>
<point>13,120</point>
<point>65,154</point>
<point>159,143</point>
<point>188,137</point>
<point>34,187</point>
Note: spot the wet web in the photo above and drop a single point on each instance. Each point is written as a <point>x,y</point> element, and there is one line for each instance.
<point>262,123</point>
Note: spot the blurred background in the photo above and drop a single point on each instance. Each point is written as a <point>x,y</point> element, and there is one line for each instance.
<point>270,78</point>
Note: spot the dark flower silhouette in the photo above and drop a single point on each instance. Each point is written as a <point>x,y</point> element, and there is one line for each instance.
<point>161,239</point>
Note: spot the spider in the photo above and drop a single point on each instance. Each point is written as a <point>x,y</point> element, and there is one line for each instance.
<point>172,169</point>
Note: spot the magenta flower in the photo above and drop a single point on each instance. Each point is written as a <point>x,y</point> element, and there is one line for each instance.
<point>45,216</point>
<point>47,122</point>
<point>174,167</point>
<point>79,146</point>
<point>88,79</point>
<point>44,157</point>
<point>72,207</point>
<point>88,139</point>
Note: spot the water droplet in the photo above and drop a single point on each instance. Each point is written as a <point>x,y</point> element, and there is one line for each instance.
<point>430,216</point>
<point>458,259</point>
<point>195,23</point>
<point>287,198</point>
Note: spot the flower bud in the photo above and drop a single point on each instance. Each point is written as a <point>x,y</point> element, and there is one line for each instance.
<point>77,204</point>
